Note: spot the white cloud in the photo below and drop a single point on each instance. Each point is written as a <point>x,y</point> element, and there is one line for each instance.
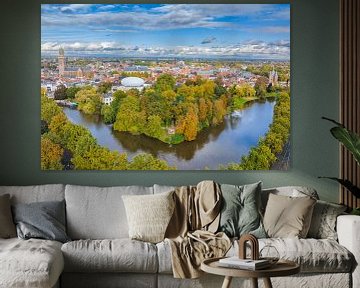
<point>169,16</point>
<point>116,30</point>
<point>105,7</point>
<point>280,49</point>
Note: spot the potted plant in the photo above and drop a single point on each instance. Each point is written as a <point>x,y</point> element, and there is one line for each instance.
<point>351,141</point>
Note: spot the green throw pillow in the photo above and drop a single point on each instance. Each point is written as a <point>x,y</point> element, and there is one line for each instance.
<point>240,213</point>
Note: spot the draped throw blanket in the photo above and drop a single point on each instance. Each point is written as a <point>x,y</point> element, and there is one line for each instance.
<point>191,231</point>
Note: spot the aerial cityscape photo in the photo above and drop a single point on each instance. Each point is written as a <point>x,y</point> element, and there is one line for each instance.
<point>165,87</point>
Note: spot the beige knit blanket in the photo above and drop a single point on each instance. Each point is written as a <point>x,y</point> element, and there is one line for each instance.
<point>191,231</point>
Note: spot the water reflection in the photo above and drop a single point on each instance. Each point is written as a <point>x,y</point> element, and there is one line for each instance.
<point>217,145</point>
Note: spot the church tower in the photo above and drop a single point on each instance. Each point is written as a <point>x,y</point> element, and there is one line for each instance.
<point>61,60</point>
<point>273,77</point>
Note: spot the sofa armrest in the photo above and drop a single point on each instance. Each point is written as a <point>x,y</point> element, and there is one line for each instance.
<point>348,230</point>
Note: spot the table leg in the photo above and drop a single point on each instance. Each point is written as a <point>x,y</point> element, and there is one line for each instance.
<point>254,282</point>
<point>227,282</point>
<point>267,283</point>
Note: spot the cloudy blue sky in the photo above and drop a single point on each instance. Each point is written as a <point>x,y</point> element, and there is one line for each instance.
<point>169,30</point>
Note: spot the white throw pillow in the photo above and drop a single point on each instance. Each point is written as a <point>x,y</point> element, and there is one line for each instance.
<point>149,215</point>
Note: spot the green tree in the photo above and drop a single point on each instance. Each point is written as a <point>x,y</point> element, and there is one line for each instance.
<point>165,82</point>
<point>104,87</point>
<point>48,109</point>
<point>129,117</point>
<point>60,92</point>
<point>71,92</point>
<point>148,162</point>
<point>245,91</point>
<point>109,111</point>
<point>261,86</point>
<point>153,127</point>
<point>89,101</point>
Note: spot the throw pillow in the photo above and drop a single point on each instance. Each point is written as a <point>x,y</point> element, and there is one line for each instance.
<point>7,227</point>
<point>240,213</point>
<point>43,220</point>
<point>149,215</point>
<point>323,222</point>
<point>288,217</point>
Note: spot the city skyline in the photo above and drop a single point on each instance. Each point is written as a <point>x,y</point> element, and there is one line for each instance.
<point>253,31</point>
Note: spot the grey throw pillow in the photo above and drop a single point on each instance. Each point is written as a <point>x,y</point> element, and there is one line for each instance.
<point>240,213</point>
<point>323,222</point>
<point>44,220</point>
<point>7,226</point>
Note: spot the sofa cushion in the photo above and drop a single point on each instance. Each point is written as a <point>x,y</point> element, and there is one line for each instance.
<point>313,255</point>
<point>35,193</point>
<point>149,215</point>
<point>42,220</point>
<point>30,263</point>
<point>323,222</point>
<point>287,216</point>
<point>98,213</point>
<point>7,226</point>
<point>117,255</point>
<point>240,210</point>
<point>291,191</point>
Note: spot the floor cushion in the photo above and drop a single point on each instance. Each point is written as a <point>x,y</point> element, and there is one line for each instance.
<point>30,263</point>
<point>115,255</point>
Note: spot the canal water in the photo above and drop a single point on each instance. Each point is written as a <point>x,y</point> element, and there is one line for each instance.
<point>214,146</point>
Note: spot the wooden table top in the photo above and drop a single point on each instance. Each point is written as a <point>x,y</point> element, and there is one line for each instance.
<point>281,268</point>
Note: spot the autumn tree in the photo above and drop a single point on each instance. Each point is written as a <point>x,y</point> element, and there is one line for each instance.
<point>191,124</point>
<point>51,154</point>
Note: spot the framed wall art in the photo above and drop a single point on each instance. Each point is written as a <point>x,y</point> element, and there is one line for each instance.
<point>165,86</point>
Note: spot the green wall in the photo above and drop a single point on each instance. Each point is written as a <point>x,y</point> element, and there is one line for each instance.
<point>315,74</point>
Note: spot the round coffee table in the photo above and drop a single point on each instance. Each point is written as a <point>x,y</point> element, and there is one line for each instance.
<point>281,268</point>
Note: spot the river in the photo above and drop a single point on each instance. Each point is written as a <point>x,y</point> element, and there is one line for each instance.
<point>214,146</point>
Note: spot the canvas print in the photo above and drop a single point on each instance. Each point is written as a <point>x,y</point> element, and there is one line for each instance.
<point>165,86</point>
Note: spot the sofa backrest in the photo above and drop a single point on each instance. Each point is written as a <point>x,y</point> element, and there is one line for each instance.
<point>98,212</point>
<point>35,193</point>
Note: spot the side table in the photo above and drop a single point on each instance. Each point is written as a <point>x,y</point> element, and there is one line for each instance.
<point>281,268</point>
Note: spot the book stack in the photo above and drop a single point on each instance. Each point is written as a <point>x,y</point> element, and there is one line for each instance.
<point>248,264</point>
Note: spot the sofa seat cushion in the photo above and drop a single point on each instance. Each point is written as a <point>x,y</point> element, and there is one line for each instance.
<point>30,263</point>
<point>313,255</point>
<point>115,255</point>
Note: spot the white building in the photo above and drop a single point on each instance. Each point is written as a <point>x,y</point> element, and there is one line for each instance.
<point>107,98</point>
<point>132,83</point>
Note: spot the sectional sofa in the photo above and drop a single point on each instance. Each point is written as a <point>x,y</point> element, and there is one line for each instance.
<point>102,255</point>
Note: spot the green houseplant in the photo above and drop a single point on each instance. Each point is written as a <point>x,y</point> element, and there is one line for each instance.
<point>351,141</point>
